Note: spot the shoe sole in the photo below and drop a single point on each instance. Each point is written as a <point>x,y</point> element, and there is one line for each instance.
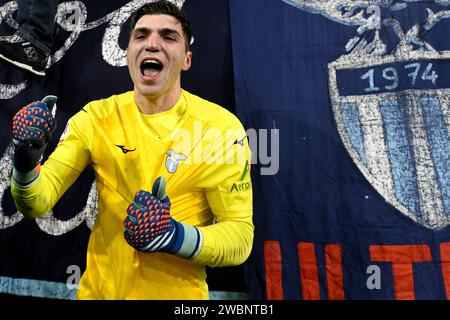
<point>23,66</point>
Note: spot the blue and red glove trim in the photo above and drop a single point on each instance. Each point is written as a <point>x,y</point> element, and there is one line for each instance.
<point>150,228</point>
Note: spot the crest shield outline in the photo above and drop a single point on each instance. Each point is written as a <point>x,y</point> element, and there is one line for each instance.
<point>387,135</point>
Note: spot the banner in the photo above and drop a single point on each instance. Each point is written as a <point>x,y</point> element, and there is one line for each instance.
<point>45,257</point>
<point>353,98</point>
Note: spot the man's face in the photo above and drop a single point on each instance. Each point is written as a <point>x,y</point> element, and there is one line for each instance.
<point>156,55</point>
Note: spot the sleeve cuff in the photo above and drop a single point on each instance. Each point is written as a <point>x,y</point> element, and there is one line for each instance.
<point>192,242</point>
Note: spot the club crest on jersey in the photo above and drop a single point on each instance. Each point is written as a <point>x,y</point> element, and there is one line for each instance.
<point>173,160</point>
<point>390,101</point>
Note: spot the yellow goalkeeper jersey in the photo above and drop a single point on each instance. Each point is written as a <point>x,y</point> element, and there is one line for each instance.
<point>202,151</point>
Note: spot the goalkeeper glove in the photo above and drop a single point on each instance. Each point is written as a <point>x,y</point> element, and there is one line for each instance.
<point>150,228</point>
<point>32,128</point>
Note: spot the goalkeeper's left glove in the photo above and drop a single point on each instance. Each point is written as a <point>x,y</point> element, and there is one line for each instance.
<point>149,226</point>
<point>32,129</point>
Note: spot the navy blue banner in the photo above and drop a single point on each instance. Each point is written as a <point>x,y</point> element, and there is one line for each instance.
<point>355,96</point>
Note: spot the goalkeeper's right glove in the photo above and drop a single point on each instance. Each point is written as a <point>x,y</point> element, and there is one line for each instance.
<point>150,228</point>
<point>32,128</point>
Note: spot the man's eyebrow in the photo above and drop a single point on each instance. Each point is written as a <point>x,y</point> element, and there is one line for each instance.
<point>162,31</point>
<point>168,31</point>
<point>142,30</point>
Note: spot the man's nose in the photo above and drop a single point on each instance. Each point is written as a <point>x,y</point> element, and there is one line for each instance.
<point>153,43</point>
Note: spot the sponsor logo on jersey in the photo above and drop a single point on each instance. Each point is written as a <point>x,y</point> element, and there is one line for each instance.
<point>241,186</point>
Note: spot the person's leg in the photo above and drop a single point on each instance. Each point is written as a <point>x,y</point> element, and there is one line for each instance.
<point>36,22</point>
<point>29,48</point>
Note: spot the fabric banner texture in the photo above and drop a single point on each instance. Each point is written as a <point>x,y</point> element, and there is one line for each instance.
<point>353,95</point>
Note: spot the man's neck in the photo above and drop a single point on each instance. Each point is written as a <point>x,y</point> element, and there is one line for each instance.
<point>152,105</point>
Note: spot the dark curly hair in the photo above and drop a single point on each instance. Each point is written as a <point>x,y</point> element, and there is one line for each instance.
<point>164,7</point>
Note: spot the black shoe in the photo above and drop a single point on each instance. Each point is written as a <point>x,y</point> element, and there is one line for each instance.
<point>23,54</point>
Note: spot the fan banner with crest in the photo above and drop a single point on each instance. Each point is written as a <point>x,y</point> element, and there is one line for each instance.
<point>358,92</point>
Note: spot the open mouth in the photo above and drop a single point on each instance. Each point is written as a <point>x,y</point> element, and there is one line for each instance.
<point>150,68</point>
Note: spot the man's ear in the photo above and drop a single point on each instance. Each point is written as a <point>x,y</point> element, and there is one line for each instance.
<point>187,61</point>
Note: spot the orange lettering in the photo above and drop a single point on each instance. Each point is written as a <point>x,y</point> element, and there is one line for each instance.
<point>402,258</point>
<point>272,257</point>
<point>335,280</point>
<point>445,262</point>
<point>308,271</point>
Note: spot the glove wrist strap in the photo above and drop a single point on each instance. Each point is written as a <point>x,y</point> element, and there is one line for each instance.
<point>26,179</point>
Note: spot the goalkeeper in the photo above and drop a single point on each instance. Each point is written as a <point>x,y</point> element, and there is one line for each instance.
<point>172,172</point>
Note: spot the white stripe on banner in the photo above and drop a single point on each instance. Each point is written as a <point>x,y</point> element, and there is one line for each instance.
<point>446,110</point>
<point>431,198</point>
<point>376,152</point>
<point>59,290</point>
